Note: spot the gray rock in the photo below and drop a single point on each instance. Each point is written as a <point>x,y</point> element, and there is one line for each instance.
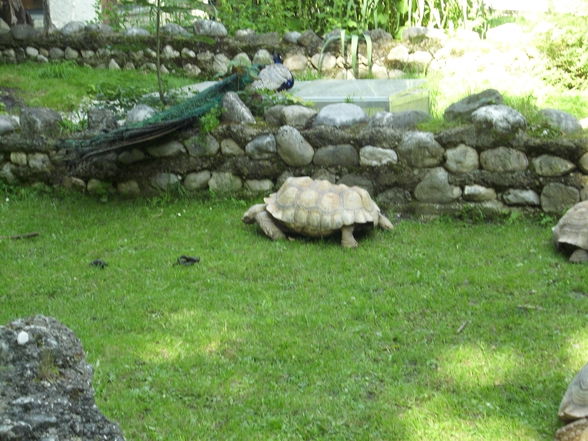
<point>340,115</point>
<point>561,120</point>
<point>343,155</point>
<point>262,56</point>
<point>398,55</point>
<point>131,156</point>
<point>262,147</point>
<point>87,54</point>
<point>164,181</point>
<point>169,52</point>
<point>235,111</point>
<point>325,62</point>
<point>515,196</point>
<point>292,147</point>
<point>187,53</point>
<point>320,174</point>
<point>192,70</point>
<point>419,149</point>
<point>241,59</point>
<point>128,188</point>
<point>244,33</point>
<point>41,59</point>
<point>71,54</point>
<point>197,181</point>
<point>98,187</point>
<point>292,37</point>
<point>101,119</point>
<point>435,188</point>
<point>548,165</point>
<point>297,116</point>
<point>170,148</point>
<point>40,162</point>
<point>463,109</point>
<point>8,124</point>
<point>557,198</point>
<point>100,28</point>
<point>461,159</point>
<point>224,182</point>
<point>7,173</point>
<point>210,28</point>
<point>372,156</point>
<point>112,64</point>
<point>583,163</point>
<point>72,183</point>
<point>478,193</point>
<point>73,27</point>
<point>19,158</point>
<point>199,146</point>
<point>420,33</point>
<point>46,382</point>
<point>31,52</point>
<point>39,121</point>
<point>310,40</point>
<point>393,197</point>
<point>4,28</point>
<point>264,186</point>
<point>503,159</point>
<point>399,120</point>
<point>140,113</point>
<point>9,53</point>
<point>230,148</point>
<point>136,32</point>
<point>23,32</point>
<point>499,118</point>
<point>274,115</point>
<point>295,62</point>
<point>56,53</point>
<point>220,64</point>
<point>175,29</point>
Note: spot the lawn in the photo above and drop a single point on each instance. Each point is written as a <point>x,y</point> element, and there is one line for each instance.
<point>445,330</point>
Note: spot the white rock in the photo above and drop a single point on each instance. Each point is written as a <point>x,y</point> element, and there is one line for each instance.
<point>22,338</point>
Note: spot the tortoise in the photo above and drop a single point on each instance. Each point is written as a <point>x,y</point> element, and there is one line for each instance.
<point>316,208</point>
<point>574,409</point>
<point>571,233</point>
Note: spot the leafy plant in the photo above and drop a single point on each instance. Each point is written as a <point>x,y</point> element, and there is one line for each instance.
<point>354,50</point>
<point>210,120</point>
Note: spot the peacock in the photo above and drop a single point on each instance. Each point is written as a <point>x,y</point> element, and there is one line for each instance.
<point>273,77</point>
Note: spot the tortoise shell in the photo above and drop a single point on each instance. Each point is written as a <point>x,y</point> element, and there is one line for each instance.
<point>572,229</point>
<point>574,404</point>
<point>319,208</point>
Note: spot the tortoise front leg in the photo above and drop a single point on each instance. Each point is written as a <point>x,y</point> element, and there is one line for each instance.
<point>347,239</point>
<point>268,226</point>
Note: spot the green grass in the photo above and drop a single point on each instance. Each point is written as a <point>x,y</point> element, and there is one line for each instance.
<point>64,86</point>
<point>301,340</point>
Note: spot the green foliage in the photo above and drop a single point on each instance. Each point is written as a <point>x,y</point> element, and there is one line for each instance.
<point>466,329</point>
<point>537,124</point>
<point>444,14</point>
<point>210,120</point>
<point>343,37</point>
<point>565,46</point>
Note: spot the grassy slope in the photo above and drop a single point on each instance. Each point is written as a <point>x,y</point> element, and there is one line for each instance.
<point>302,340</point>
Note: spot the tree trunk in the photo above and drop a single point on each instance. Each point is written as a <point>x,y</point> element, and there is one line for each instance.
<point>48,25</point>
<point>13,12</point>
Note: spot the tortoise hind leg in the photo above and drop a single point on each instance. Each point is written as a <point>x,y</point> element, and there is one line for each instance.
<point>268,226</point>
<point>347,239</point>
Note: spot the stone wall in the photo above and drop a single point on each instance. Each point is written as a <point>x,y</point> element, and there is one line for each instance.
<point>488,162</point>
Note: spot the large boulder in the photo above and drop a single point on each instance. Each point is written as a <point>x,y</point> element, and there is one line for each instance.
<point>463,109</point>
<point>46,385</point>
<point>500,119</point>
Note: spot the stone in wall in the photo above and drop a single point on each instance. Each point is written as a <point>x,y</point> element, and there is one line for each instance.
<point>380,136</point>
<point>461,159</point>
<point>40,121</point>
<point>503,159</point>
<point>407,120</point>
<point>234,110</point>
<point>340,115</point>
<point>478,193</point>
<point>297,116</point>
<point>583,162</point>
<point>561,120</point>
<point>292,147</point>
<point>230,148</point>
<point>139,113</point>
<point>463,109</point>
<point>131,156</point>
<point>202,146</point>
<point>343,155</point>
<point>419,149</point>
<point>435,188</point>
<point>516,196</point>
<point>262,186</point>
<point>500,119</point>
<point>170,148</point>
<point>39,162</point>
<point>98,187</point>
<point>210,28</point>
<point>128,188</point>
<point>372,156</point>
<point>224,182</point>
<point>557,198</point>
<point>262,147</point>
<point>19,158</point>
<point>548,165</point>
<point>354,180</point>
<point>7,173</point>
<point>197,180</point>
<point>164,181</point>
